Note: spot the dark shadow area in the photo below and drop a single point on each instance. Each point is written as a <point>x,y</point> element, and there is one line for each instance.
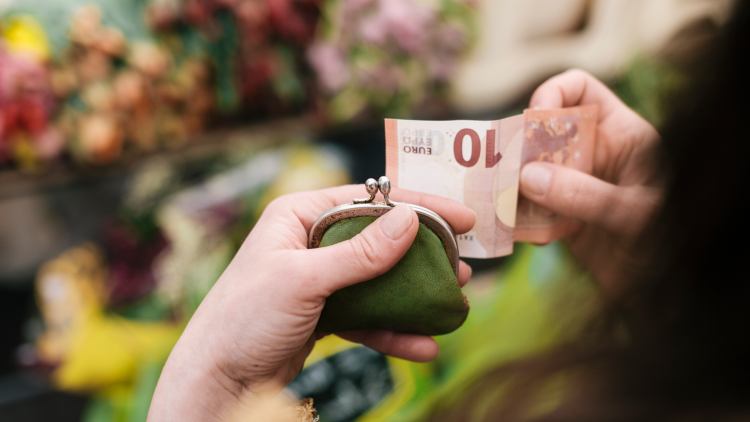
<point>26,399</point>
<point>16,303</point>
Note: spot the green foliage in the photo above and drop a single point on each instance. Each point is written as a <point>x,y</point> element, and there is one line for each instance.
<point>647,85</point>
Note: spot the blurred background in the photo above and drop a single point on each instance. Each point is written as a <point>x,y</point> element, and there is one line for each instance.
<point>140,140</point>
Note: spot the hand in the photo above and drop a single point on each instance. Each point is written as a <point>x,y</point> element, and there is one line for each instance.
<point>615,203</point>
<point>255,328</point>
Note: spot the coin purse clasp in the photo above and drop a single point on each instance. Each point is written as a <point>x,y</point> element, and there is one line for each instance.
<point>368,207</point>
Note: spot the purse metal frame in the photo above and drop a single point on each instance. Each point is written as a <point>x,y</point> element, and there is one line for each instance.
<point>370,208</point>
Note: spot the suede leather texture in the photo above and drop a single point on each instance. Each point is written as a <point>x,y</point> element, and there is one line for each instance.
<point>419,295</point>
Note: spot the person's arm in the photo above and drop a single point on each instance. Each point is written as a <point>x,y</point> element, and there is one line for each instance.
<point>253,331</point>
<point>615,203</point>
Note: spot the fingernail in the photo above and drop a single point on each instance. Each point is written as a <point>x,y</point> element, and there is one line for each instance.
<point>536,178</point>
<point>396,222</point>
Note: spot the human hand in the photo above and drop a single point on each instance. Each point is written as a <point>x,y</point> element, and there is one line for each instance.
<point>615,203</point>
<point>255,328</point>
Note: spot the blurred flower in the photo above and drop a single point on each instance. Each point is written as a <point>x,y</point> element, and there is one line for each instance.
<point>451,39</point>
<point>387,57</point>
<point>294,20</point>
<point>104,95</point>
<point>50,143</point>
<point>153,61</point>
<point>132,257</point>
<point>100,97</point>
<point>356,6</point>
<point>21,78</point>
<point>328,62</point>
<point>93,66</point>
<point>125,97</point>
<point>254,22</point>
<point>162,13</point>
<point>92,349</point>
<point>101,138</point>
<point>85,26</point>
<point>26,103</point>
<point>24,35</point>
<point>111,41</point>
<point>404,22</point>
<point>130,90</point>
<point>254,46</point>
<point>63,81</point>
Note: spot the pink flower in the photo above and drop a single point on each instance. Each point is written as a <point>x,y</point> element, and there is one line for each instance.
<point>328,62</point>
<point>404,22</point>
<point>374,29</point>
<point>442,67</point>
<point>409,23</point>
<point>25,97</point>
<point>21,75</point>
<point>356,6</point>
<point>451,39</point>
<point>50,143</point>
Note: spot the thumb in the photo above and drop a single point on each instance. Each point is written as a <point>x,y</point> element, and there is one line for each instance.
<point>367,255</point>
<point>574,194</point>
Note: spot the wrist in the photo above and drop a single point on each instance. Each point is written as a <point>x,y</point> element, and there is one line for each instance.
<point>192,388</point>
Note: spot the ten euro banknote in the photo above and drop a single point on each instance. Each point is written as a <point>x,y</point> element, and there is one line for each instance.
<point>477,163</point>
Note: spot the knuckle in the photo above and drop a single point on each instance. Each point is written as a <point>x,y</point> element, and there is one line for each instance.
<point>286,202</point>
<point>571,193</point>
<point>577,194</point>
<point>578,73</point>
<point>281,202</point>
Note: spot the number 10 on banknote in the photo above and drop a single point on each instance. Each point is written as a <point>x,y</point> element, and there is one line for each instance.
<point>477,163</point>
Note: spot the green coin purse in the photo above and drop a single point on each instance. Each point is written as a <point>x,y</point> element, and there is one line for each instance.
<point>419,295</point>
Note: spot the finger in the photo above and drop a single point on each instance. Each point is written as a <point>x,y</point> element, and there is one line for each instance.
<point>308,206</point>
<point>464,273</point>
<point>571,193</point>
<point>572,88</point>
<point>459,216</point>
<point>411,347</point>
<point>369,254</point>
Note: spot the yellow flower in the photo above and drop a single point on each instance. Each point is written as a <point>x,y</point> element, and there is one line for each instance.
<point>23,34</point>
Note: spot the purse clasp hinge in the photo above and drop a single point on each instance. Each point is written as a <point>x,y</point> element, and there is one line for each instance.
<point>372,186</point>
